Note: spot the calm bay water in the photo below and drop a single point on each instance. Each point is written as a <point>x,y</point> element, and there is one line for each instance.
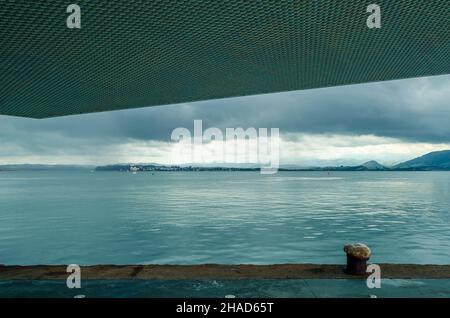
<point>222,217</point>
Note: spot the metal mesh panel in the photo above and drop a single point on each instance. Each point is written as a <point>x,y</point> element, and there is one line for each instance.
<point>142,53</point>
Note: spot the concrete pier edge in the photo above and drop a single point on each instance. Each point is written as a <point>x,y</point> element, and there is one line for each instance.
<point>219,271</point>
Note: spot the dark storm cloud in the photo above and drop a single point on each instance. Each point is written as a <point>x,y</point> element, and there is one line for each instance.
<point>412,110</point>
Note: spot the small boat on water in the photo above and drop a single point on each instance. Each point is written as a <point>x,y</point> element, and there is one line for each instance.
<point>134,169</point>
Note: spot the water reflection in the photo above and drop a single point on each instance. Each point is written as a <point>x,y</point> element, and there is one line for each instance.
<point>223,217</point>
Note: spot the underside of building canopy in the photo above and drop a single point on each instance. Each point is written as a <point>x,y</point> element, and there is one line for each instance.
<point>131,54</point>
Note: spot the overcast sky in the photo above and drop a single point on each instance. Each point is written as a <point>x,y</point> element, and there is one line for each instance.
<point>389,122</point>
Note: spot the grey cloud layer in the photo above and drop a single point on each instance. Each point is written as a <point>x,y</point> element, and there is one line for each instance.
<point>413,110</point>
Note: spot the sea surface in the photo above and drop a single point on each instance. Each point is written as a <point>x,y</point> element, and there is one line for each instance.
<point>83,217</point>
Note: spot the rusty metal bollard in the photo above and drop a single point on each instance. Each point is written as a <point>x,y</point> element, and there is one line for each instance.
<point>357,256</point>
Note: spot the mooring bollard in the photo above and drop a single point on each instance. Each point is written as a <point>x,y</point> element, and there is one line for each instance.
<point>357,256</point>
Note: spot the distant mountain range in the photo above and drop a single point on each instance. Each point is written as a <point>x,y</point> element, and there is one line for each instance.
<point>433,161</point>
<point>438,160</point>
<point>43,167</point>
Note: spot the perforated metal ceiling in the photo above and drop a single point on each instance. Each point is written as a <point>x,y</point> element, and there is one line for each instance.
<point>141,53</point>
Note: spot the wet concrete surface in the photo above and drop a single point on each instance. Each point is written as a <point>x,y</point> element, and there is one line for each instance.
<point>216,271</point>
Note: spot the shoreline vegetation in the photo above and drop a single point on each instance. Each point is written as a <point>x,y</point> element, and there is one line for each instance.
<point>434,161</point>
